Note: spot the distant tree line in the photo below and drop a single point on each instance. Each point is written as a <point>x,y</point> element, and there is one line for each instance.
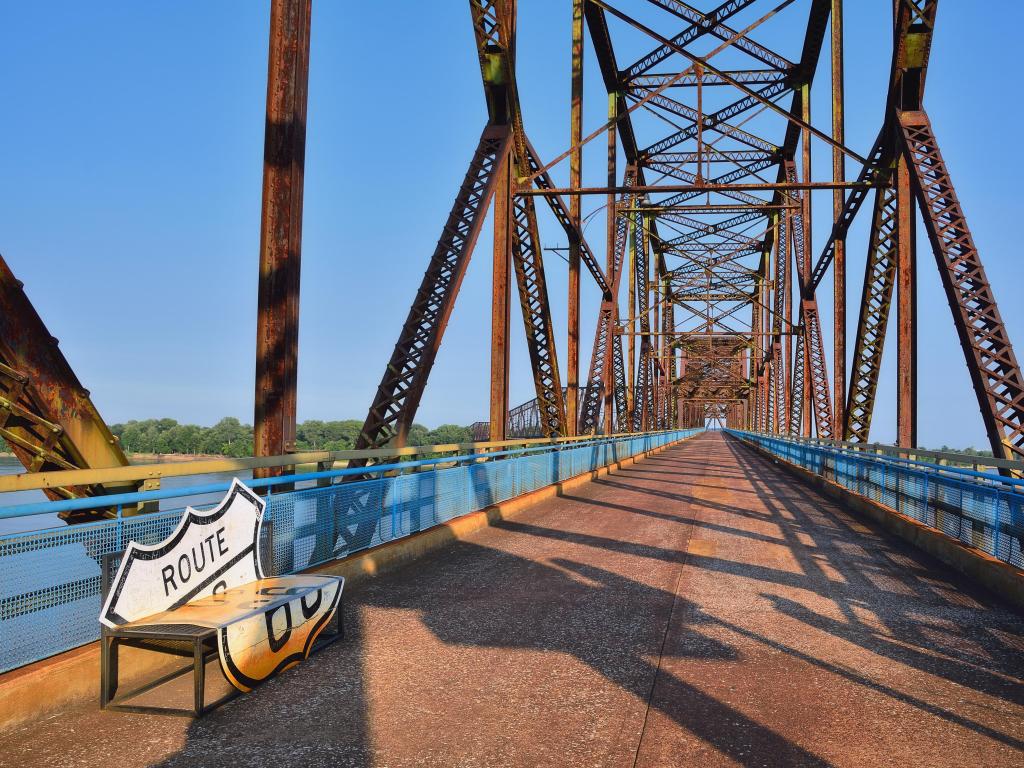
<point>971,451</point>
<point>230,437</point>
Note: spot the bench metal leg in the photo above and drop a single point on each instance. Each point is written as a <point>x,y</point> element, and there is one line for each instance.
<point>199,665</point>
<point>109,647</point>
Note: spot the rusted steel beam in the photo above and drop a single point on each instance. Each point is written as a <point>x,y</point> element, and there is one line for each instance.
<point>838,175</point>
<point>533,300</point>
<point>572,228</point>
<point>876,300</point>
<point>797,393</point>
<point>600,38</point>
<point>614,223</point>
<point>702,24</point>
<point>813,380</point>
<point>906,312</point>
<point>601,366</point>
<point>635,223</point>
<point>502,263</point>
<point>990,358</point>
<point>405,376</point>
<point>575,213</point>
<point>277,323</point>
<point>642,280</point>
<point>699,189</point>
<point>46,415</point>
<point>748,76</point>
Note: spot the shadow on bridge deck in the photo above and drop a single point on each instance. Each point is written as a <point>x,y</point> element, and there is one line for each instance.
<point>699,608</point>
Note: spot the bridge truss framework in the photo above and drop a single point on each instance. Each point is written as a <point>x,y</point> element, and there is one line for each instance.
<point>709,278</point>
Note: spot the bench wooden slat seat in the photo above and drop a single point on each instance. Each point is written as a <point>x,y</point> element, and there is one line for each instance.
<point>235,604</point>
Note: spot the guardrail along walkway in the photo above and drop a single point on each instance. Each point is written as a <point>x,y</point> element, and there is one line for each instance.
<point>699,608</point>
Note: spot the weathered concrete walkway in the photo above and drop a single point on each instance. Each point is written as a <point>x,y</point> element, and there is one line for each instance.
<point>701,608</point>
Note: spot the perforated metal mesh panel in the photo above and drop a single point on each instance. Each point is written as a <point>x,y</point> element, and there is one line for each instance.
<point>986,513</point>
<point>50,580</point>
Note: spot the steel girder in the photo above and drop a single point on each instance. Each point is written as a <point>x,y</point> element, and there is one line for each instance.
<point>815,368</point>
<point>777,386</point>
<point>561,212</point>
<point>797,392</point>
<point>990,358</point>
<point>533,299</point>
<point>398,395</point>
<point>876,299</point>
<point>994,369</point>
<point>275,402</point>
<point>504,140</point>
<point>46,415</point>
<point>607,320</point>
<point>641,268</point>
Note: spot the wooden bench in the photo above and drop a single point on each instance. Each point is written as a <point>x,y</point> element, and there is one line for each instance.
<point>201,593</point>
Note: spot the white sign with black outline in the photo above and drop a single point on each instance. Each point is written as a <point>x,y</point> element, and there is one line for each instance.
<point>209,552</point>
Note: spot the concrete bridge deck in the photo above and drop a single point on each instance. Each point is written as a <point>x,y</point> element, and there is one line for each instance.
<point>699,608</point>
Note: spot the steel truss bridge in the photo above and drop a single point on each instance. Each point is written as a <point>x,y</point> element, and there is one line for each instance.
<point>708,276</point>
<point>697,589</point>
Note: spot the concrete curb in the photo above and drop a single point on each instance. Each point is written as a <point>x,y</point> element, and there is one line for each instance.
<point>71,678</point>
<point>1003,579</point>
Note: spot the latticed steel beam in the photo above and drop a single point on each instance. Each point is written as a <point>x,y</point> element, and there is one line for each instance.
<point>748,76</point>
<point>715,121</point>
<point>990,357</point>
<point>533,299</point>
<point>594,394</point>
<point>876,300</point>
<point>703,23</point>
<point>46,415</point>
<point>641,267</point>
<point>561,212</point>
<point>622,414</point>
<point>777,387</point>
<point>797,392</point>
<point>398,395</point>
<point>817,369</point>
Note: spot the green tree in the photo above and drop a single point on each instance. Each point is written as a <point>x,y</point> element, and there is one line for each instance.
<point>417,435</point>
<point>228,437</point>
<point>449,433</point>
<point>184,438</point>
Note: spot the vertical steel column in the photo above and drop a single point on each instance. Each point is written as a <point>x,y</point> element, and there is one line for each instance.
<point>906,311</point>
<point>503,223</point>
<point>805,155</point>
<point>784,366</point>
<point>277,321</point>
<point>575,181</point>
<point>838,175</point>
<point>608,377</point>
<point>635,222</point>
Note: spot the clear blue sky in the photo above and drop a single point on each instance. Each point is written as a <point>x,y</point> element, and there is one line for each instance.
<point>132,158</point>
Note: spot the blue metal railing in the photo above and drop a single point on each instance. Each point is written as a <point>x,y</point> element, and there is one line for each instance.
<point>980,509</point>
<point>50,579</point>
